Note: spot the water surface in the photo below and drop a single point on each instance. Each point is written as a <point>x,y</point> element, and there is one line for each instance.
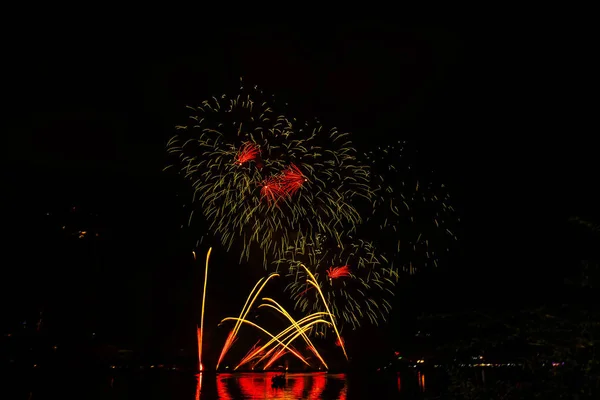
<point>174,385</point>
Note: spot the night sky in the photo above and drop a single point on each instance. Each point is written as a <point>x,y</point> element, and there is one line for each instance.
<point>88,117</point>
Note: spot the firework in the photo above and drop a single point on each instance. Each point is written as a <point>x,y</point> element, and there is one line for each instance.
<point>200,330</point>
<point>289,335</point>
<point>260,177</point>
<point>299,196</point>
<point>285,345</point>
<point>412,213</point>
<point>285,334</point>
<point>276,306</point>
<point>245,310</point>
<point>254,352</point>
<point>313,281</point>
<point>354,281</point>
<point>280,343</point>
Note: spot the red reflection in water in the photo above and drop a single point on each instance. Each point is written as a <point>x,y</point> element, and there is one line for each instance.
<point>399,383</point>
<point>318,384</point>
<point>344,392</point>
<point>421,378</point>
<point>254,386</point>
<point>298,387</point>
<point>199,386</point>
<point>199,339</point>
<point>222,391</point>
<point>259,387</point>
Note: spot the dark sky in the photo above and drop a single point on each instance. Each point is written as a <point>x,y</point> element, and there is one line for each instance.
<point>88,116</point>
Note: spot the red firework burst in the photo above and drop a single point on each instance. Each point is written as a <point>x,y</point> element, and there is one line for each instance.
<point>272,190</point>
<point>248,152</point>
<point>338,272</point>
<point>292,179</point>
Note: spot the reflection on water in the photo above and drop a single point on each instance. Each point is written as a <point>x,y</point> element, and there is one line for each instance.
<point>297,386</point>
<point>198,386</point>
<point>421,379</point>
<point>206,386</point>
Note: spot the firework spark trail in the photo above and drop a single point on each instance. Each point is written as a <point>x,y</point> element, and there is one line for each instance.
<point>247,306</point>
<point>285,346</point>
<point>274,358</point>
<point>252,354</point>
<point>199,331</point>
<point>302,293</point>
<point>296,325</point>
<point>281,336</point>
<point>313,282</point>
<point>245,321</point>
